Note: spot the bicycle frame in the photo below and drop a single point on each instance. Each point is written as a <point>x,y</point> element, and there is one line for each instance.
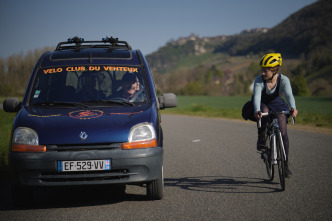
<point>276,155</point>
<point>276,134</point>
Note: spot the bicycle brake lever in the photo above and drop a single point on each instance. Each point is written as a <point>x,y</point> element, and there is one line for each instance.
<point>259,122</point>
<point>293,118</point>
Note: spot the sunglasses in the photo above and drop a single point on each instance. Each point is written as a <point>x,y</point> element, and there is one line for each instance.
<point>264,70</point>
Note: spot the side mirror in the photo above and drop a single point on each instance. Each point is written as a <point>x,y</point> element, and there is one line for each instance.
<point>168,100</point>
<point>12,104</point>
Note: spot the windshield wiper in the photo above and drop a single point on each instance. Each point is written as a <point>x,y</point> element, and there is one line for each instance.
<point>116,101</point>
<point>75,104</point>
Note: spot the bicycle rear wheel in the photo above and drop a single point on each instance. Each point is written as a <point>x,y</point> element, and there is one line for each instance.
<point>281,163</point>
<point>267,156</point>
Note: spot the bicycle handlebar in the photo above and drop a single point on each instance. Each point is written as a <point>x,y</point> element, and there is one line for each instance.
<point>288,113</point>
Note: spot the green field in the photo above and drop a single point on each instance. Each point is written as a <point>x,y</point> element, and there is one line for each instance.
<point>313,111</point>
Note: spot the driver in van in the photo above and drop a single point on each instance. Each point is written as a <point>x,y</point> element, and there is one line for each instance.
<point>131,90</point>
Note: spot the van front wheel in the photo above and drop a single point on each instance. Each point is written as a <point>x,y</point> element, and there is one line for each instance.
<point>155,189</point>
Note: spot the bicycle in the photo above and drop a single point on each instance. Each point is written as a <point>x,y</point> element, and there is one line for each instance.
<point>274,153</point>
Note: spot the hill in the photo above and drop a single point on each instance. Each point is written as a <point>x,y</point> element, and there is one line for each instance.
<point>304,32</point>
<point>303,39</point>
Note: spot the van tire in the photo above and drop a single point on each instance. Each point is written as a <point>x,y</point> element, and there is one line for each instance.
<point>155,188</point>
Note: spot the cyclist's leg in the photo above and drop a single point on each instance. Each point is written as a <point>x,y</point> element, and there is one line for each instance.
<point>262,131</point>
<point>282,120</point>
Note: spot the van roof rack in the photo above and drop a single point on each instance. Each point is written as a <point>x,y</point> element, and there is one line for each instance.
<point>78,43</point>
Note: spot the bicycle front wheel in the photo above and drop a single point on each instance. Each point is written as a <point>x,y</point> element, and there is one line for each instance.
<point>268,155</point>
<point>281,162</point>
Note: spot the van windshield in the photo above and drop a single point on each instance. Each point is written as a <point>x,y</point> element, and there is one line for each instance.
<point>84,84</point>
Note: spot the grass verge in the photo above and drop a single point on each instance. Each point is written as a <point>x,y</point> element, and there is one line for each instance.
<point>6,120</point>
<point>313,111</point>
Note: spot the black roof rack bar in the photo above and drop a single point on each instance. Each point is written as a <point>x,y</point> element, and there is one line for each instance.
<point>77,43</point>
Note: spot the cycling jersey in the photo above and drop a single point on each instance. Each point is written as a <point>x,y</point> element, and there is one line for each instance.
<point>284,86</point>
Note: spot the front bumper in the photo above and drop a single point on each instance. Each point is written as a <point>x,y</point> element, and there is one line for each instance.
<point>127,166</point>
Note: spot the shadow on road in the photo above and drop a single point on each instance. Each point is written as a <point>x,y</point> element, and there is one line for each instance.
<point>223,184</point>
<point>67,197</point>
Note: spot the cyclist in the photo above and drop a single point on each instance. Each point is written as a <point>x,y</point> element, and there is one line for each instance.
<point>268,88</point>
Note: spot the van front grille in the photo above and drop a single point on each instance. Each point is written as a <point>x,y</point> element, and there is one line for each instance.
<point>87,176</point>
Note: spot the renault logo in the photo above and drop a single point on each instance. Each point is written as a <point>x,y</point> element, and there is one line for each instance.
<point>83,136</point>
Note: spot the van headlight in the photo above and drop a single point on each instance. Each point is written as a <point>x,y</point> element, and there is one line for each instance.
<point>26,140</point>
<point>141,136</point>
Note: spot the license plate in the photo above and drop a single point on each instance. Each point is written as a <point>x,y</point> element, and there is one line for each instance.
<point>84,165</point>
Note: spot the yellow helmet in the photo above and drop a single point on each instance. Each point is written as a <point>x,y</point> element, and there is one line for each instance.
<point>271,60</point>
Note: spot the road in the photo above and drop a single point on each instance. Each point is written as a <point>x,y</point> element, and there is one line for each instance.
<point>212,172</point>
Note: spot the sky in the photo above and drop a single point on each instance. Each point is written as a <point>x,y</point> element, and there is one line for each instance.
<point>145,24</point>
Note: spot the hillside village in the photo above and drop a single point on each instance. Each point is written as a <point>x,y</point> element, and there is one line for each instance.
<point>200,42</point>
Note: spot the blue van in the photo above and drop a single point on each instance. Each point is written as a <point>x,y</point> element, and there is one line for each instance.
<point>90,116</point>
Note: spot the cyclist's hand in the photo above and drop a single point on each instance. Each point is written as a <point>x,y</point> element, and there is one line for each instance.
<point>294,113</point>
<point>258,115</point>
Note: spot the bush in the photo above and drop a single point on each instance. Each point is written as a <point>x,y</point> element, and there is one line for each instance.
<point>193,88</point>
<point>299,86</point>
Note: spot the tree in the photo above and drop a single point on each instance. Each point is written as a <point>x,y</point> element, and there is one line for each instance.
<point>15,71</point>
<point>299,86</point>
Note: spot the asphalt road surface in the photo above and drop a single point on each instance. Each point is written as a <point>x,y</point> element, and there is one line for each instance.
<point>212,172</point>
